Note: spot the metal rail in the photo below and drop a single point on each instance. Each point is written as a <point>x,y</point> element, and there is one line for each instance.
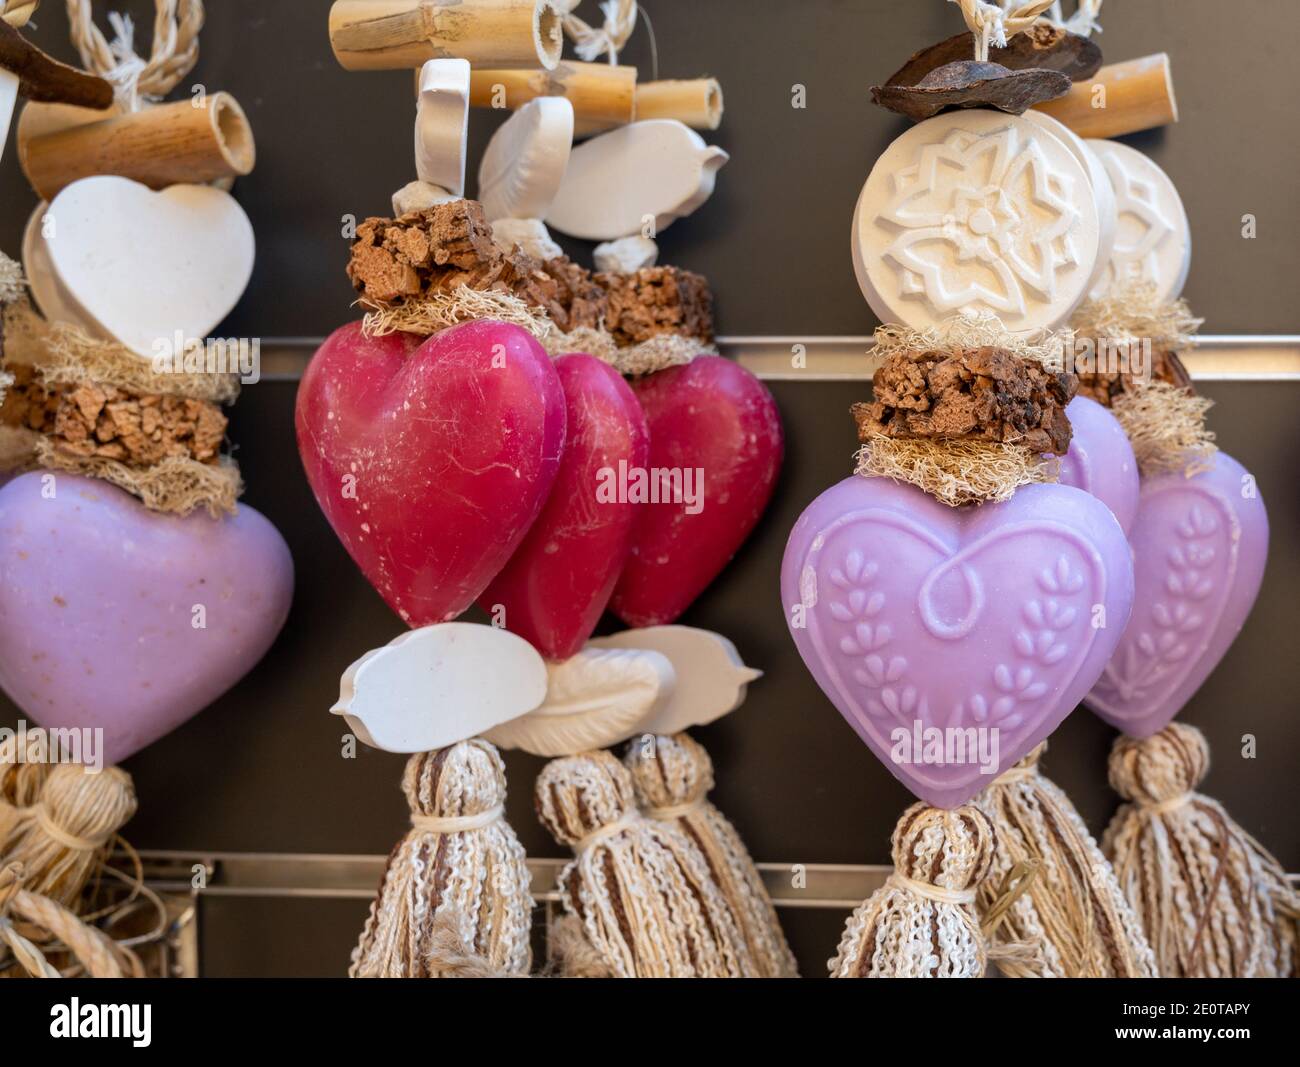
<point>1223,357</point>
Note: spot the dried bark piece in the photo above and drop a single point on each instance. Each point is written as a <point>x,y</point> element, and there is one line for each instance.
<point>658,300</point>
<point>1105,386</point>
<point>1042,47</point>
<point>45,79</point>
<point>968,83</point>
<point>970,394</point>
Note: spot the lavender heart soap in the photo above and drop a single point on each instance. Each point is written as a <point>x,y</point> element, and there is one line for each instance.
<point>1199,546</point>
<point>980,627</point>
<point>116,617</point>
<point>1100,460</point>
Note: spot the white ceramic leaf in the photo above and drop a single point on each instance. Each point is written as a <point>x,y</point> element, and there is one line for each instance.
<point>1154,239</point>
<point>711,677</point>
<point>432,687</point>
<point>594,699</point>
<point>145,264</point>
<point>442,124</point>
<point>524,163</point>
<point>658,169</point>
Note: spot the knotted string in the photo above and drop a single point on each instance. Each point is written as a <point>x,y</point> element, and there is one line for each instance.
<point>138,83</point>
<point>1084,20</point>
<point>992,25</point>
<point>610,38</point>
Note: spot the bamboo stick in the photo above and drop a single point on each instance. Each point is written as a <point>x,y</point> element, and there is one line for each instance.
<point>159,146</point>
<point>697,103</point>
<point>392,34</point>
<point>1122,98</point>
<point>603,96</point>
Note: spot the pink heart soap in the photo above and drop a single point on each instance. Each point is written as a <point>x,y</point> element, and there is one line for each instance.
<point>557,583</point>
<point>972,626</point>
<point>1199,547</point>
<point>117,617</point>
<point>1100,460</point>
<point>431,460</point>
<point>715,428</point>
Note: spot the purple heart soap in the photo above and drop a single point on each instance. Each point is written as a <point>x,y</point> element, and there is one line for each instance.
<point>101,602</point>
<point>975,626</point>
<point>1100,460</point>
<point>1199,546</point>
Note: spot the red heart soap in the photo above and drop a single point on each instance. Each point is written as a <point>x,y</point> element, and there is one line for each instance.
<point>715,451</point>
<point>557,583</point>
<point>431,460</point>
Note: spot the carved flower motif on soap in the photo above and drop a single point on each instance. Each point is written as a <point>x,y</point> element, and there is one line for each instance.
<point>992,200</point>
<point>1143,229</point>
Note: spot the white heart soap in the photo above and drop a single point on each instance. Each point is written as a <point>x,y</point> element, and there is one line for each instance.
<point>144,264</point>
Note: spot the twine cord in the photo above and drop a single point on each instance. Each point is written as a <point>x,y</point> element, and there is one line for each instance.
<point>609,38</point>
<point>1083,22</point>
<point>455,824</point>
<point>137,82</point>
<point>992,25</point>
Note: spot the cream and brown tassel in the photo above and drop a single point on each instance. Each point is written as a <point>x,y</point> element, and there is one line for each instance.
<point>22,774</point>
<point>459,865</point>
<point>922,923</point>
<point>639,889</point>
<point>1073,906</point>
<point>62,839</point>
<point>1213,901</point>
<point>673,777</point>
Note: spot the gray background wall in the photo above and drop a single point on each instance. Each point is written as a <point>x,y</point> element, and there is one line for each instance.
<point>260,771</point>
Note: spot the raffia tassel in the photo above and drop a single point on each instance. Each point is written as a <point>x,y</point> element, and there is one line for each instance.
<point>453,900</point>
<point>673,777</point>
<point>1214,902</point>
<point>61,839</point>
<point>21,782</point>
<point>639,889</point>
<point>1074,906</point>
<point>922,922</point>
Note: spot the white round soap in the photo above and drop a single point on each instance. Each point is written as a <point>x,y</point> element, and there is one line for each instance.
<point>1102,191</point>
<point>1154,240</point>
<point>971,212</point>
<point>524,163</point>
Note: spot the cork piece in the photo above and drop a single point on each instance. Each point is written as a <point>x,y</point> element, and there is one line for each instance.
<point>970,394</point>
<point>88,420</point>
<point>435,251</point>
<point>582,302</point>
<point>658,300</point>
<point>1107,386</point>
<point>441,248</point>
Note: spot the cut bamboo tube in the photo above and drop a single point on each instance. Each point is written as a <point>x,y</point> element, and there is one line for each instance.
<point>697,103</point>
<point>159,146</point>
<point>1138,95</point>
<point>393,34</point>
<point>602,96</point>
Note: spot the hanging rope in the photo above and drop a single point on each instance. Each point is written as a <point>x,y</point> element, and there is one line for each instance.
<point>609,39</point>
<point>1084,20</point>
<point>991,25</point>
<point>138,83</point>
